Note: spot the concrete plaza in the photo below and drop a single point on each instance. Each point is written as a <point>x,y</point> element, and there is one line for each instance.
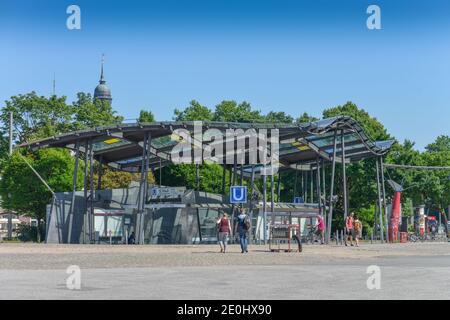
<point>408,271</point>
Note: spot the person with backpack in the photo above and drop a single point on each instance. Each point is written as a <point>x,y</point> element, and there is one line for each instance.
<point>358,230</point>
<point>320,225</point>
<point>243,226</point>
<point>349,230</point>
<point>224,229</point>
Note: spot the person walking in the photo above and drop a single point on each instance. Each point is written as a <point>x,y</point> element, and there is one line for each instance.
<point>243,226</point>
<point>349,231</point>
<point>224,228</point>
<point>358,230</point>
<point>320,225</point>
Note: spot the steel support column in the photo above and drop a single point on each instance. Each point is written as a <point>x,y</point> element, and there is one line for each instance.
<point>344,176</point>
<point>295,183</point>
<point>279,187</point>
<point>74,189</point>
<point>142,190</point>
<point>252,190</point>
<point>85,188</point>
<point>223,178</point>
<point>100,173</point>
<point>264,207</point>
<point>272,198</point>
<point>197,178</point>
<point>319,187</point>
<point>91,192</point>
<point>242,175</point>
<point>380,210</point>
<point>324,197</point>
<point>386,221</point>
<point>333,171</point>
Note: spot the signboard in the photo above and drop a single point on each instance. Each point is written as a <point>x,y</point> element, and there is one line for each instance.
<point>238,194</point>
<point>298,200</point>
<point>166,192</point>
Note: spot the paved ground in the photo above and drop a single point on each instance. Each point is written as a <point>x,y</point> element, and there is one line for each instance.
<point>408,271</point>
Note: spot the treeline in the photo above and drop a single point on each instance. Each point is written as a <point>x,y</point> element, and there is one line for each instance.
<point>38,117</point>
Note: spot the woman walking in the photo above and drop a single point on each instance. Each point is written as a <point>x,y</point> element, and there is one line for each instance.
<point>224,228</point>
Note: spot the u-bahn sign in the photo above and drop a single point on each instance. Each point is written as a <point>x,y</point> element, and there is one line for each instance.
<point>238,194</point>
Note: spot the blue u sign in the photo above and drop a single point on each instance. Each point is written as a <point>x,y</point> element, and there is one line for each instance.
<point>238,194</point>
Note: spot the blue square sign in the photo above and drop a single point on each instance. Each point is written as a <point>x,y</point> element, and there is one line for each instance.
<point>298,200</point>
<point>238,194</point>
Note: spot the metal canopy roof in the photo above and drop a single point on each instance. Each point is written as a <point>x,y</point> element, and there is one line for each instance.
<point>120,146</point>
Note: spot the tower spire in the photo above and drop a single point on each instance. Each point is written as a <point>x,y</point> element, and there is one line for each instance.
<point>102,92</point>
<point>102,79</point>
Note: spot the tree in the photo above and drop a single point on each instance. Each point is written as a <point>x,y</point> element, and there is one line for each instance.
<point>4,150</point>
<point>36,116</point>
<point>23,192</point>
<point>442,144</point>
<point>372,127</point>
<point>146,116</point>
<point>304,118</point>
<point>89,113</point>
<point>279,117</point>
<point>230,111</point>
<point>194,112</point>
<point>114,179</point>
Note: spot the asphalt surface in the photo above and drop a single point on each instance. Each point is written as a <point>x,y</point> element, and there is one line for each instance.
<point>407,271</point>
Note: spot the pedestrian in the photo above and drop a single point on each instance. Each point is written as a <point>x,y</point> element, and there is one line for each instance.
<point>243,226</point>
<point>358,230</point>
<point>320,225</point>
<point>349,231</point>
<point>132,238</point>
<point>224,229</point>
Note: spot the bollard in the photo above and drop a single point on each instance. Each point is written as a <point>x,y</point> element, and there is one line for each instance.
<point>110,237</point>
<point>126,236</point>
<point>342,237</point>
<point>337,237</point>
<point>371,239</point>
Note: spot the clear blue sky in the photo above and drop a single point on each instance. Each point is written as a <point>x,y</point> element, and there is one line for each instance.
<point>291,56</point>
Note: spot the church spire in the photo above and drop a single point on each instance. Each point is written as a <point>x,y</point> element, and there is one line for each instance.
<point>102,92</point>
<point>102,79</point>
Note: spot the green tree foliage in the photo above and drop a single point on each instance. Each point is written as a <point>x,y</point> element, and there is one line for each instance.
<point>23,192</point>
<point>231,111</point>
<point>278,117</point>
<point>36,116</point>
<point>305,117</point>
<point>195,111</point>
<point>114,179</point>
<point>372,127</point>
<point>146,116</point>
<point>423,186</point>
<point>442,144</point>
<point>89,113</point>
<point>185,175</point>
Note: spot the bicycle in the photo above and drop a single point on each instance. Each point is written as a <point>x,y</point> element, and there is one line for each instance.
<point>312,235</point>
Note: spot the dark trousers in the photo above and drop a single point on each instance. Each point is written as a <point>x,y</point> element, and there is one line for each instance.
<point>243,240</point>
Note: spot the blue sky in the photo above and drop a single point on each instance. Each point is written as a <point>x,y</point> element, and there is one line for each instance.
<point>291,56</point>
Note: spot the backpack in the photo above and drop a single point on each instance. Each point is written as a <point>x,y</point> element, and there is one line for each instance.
<point>247,224</point>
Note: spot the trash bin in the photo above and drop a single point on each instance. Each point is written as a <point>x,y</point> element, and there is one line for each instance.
<point>403,237</point>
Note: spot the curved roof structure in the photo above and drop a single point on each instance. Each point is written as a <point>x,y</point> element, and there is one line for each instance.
<point>121,146</point>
